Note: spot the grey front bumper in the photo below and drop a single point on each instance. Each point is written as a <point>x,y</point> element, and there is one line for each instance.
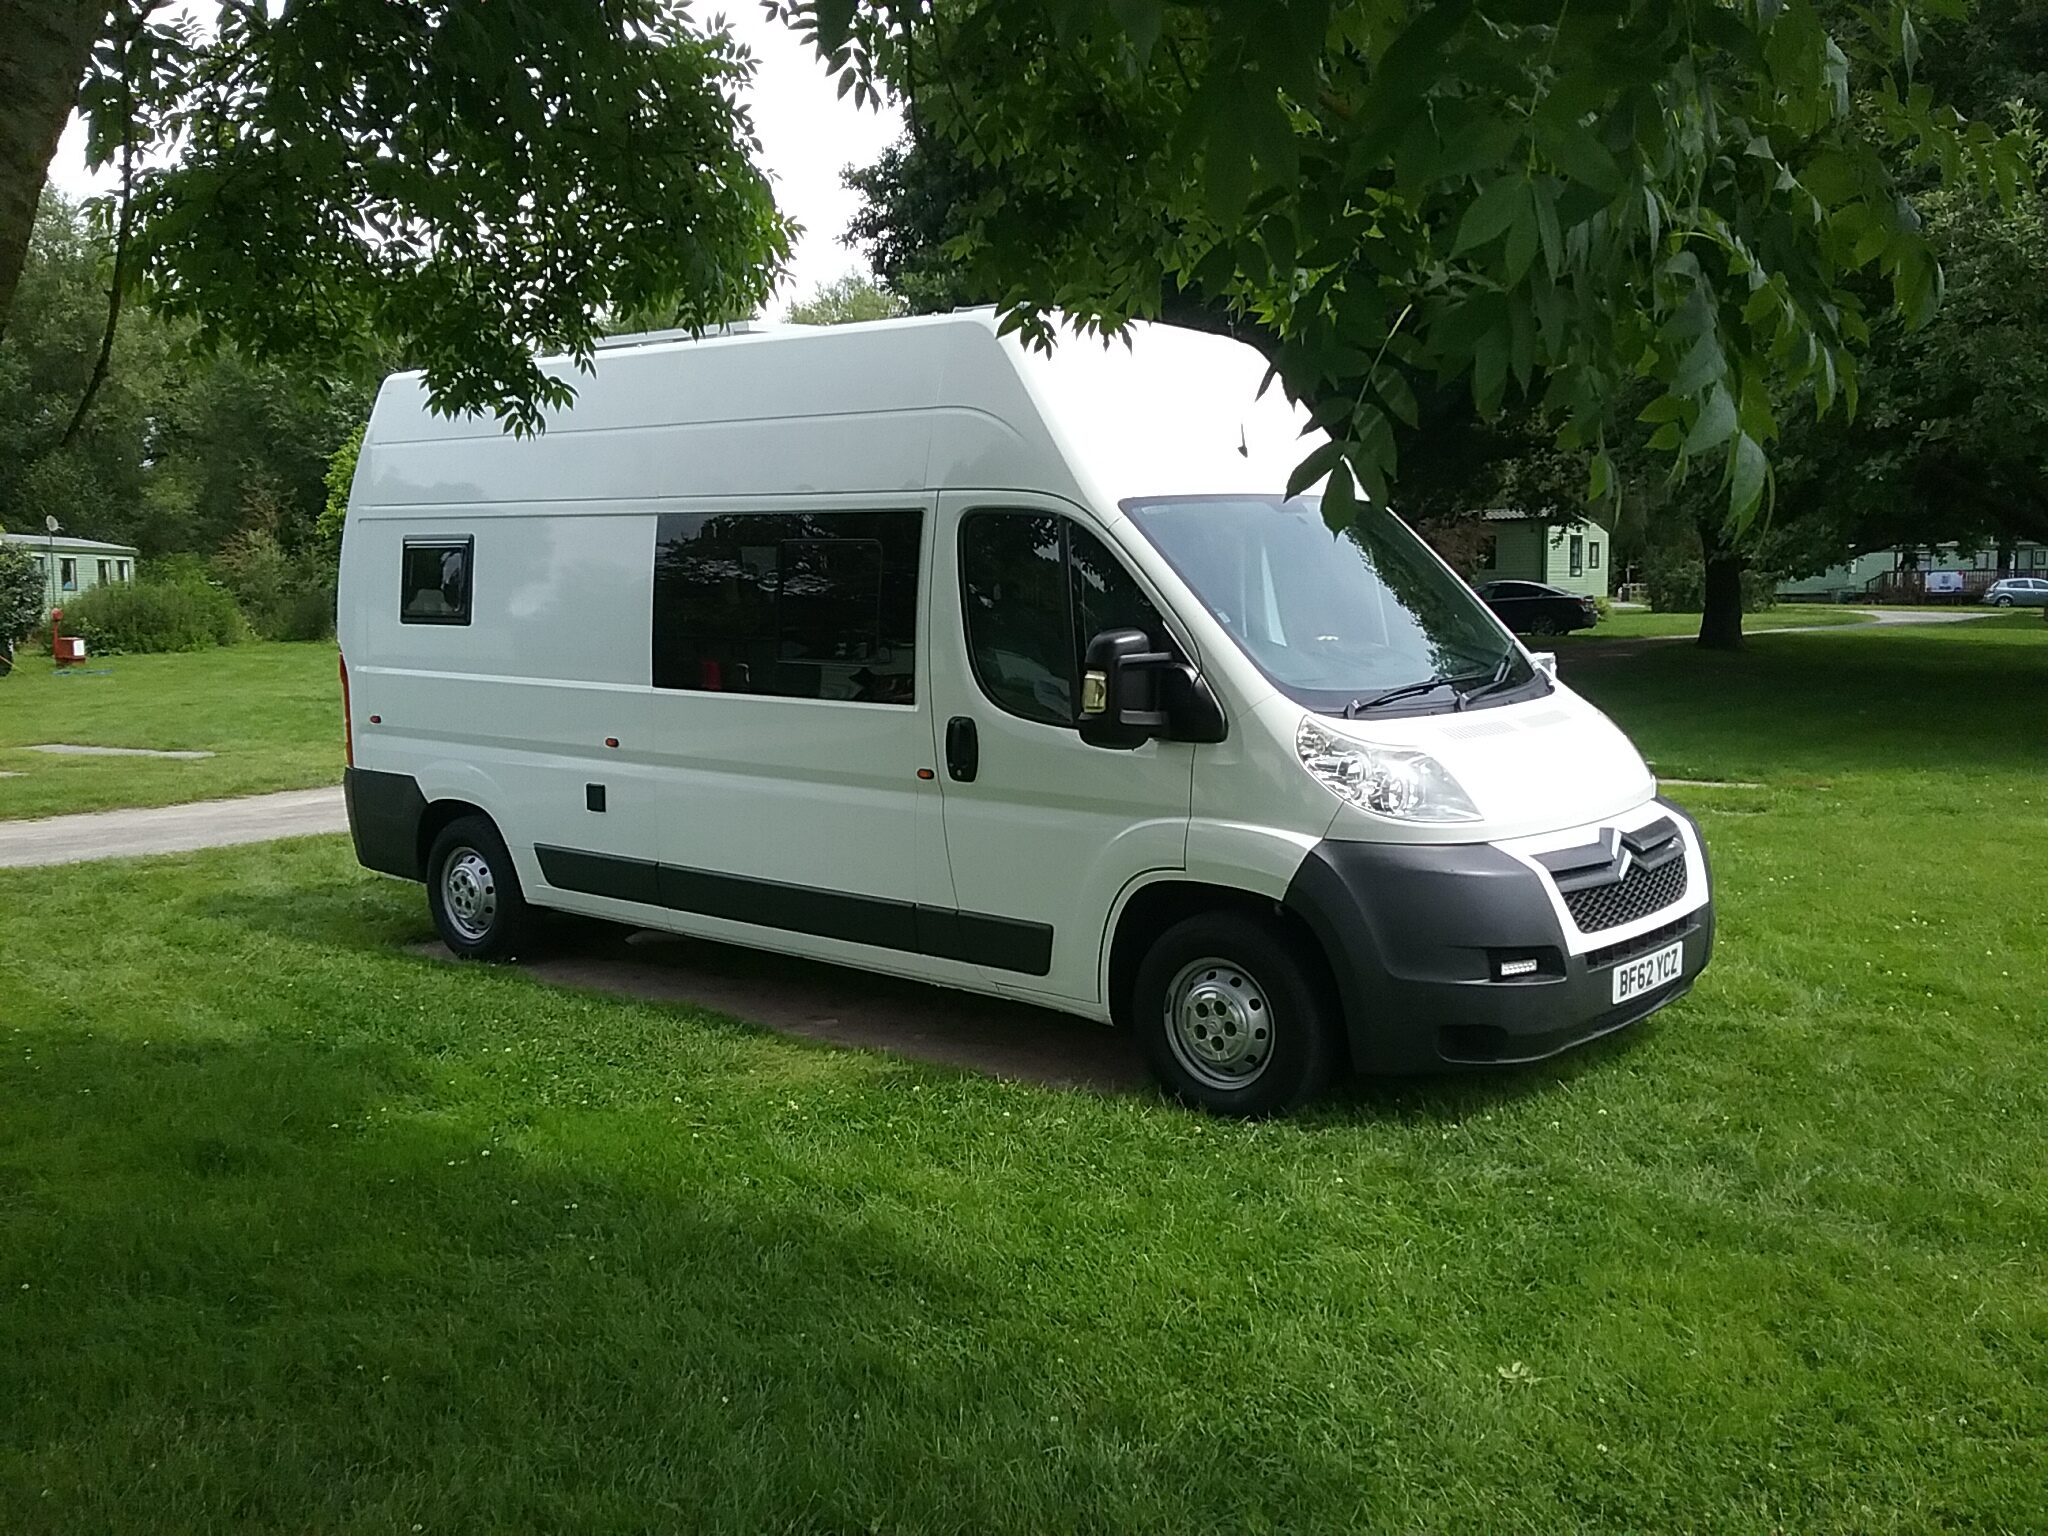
<point>1414,933</point>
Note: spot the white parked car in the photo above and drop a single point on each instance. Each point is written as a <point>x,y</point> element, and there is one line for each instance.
<point>906,647</point>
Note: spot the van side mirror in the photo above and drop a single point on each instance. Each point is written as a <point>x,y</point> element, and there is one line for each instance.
<point>1131,693</point>
<point>1545,662</point>
<point>1122,703</point>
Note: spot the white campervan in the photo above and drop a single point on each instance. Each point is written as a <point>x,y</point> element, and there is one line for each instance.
<point>908,647</point>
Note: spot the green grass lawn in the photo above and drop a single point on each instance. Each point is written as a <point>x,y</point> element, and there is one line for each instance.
<point>272,713</point>
<point>298,1231</point>
<point>1632,623</point>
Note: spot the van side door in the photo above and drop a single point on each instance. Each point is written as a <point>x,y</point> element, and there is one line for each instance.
<point>789,722</point>
<point>1043,832</point>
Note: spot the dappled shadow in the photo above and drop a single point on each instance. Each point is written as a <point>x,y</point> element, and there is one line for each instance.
<point>280,1279</point>
<point>915,1021</point>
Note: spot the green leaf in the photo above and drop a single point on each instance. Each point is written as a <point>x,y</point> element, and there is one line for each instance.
<point>1716,422</point>
<point>1746,470</point>
<point>1321,460</point>
<point>1489,372</point>
<point>1522,235</point>
<point>1340,499</point>
<point>1141,19</point>
<point>1577,152</point>
<point>1599,477</point>
<point>1703,363</point>
<point>1491,213</point>
<point>1393,388</point>
<point>1546,225</point>
<point>1226,178</point>
<point>835,23</point>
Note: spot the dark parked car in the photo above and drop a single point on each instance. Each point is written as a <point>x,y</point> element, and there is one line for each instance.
<point>1530,608</point>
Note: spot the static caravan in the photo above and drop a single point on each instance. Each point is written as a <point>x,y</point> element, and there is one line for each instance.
<point>907,647</point>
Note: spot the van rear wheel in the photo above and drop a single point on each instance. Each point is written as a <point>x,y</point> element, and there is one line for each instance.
<point>1235,1017</point>
<point>473,892</point>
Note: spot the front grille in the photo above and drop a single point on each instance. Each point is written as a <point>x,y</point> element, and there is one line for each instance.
<point>1637,894</point>
<point>1642,943</point>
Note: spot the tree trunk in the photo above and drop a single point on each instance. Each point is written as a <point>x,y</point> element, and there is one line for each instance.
<point>1721,619</point>
<point>44,47</point>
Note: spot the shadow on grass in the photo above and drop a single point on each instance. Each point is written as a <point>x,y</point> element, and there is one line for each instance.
<point>273,1286</point>
<point>846,1007</point>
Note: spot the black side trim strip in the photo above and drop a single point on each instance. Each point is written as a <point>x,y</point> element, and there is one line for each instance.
<point>1000,943</point>
<point>602,874</point>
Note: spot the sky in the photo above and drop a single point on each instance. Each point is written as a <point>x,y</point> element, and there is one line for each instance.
<point>808,135</point>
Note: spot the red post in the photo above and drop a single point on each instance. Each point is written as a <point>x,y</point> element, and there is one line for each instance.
<point>64,649</point>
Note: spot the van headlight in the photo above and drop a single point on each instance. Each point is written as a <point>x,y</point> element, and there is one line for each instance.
<point>1392,781</point>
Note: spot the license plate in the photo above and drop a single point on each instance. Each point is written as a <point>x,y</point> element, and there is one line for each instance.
<point>1632,978</point>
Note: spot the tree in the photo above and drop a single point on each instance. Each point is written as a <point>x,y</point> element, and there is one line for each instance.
<point>181,445</point>
<point>915,199</point>
<point>846,301</point>
<point>1538,202</point>
<point>1951,443</point>
<point>477,182</point>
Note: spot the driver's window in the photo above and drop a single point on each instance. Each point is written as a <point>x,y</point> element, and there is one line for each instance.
<point>1034,589</point>
<point>1106,596</point>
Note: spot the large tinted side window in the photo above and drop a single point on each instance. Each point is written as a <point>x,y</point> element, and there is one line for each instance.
<point>1013,588</point>
<point>808,605</point>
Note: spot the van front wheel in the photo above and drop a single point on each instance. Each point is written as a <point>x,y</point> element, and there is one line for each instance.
<point>1235,1017</point>
<point>473,892</point>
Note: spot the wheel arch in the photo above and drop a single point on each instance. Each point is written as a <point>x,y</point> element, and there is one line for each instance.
<point>1149,909</point>
<point>438,817</point>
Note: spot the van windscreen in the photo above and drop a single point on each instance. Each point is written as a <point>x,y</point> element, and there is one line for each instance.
<point>1335,618</point>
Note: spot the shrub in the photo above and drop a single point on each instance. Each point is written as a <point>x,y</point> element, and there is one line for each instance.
<point>310,613</point>
<point>284,597</point>
<point>155,612</point>
<point>21,595</point>
<point>341,477</point>
<point>1679,585</point>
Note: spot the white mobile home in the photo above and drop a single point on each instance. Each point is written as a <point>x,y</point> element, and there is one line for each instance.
<point>72,566</point>
<point>903,646</point>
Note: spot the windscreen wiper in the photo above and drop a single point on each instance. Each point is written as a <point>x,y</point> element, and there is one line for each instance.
<point>1358,707</point>
<point>1493,684</point>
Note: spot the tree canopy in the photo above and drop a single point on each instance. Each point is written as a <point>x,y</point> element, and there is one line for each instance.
<point>1558,204</point>
<point>846,301</point>
<point>473,182</point>
<point>184,445</point>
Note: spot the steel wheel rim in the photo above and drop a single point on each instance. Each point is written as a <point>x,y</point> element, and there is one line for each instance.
<point>469,894</point>
<point>1219,1024</point>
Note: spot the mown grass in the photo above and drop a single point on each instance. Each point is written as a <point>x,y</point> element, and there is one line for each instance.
<point>271,713</point>
<point>1638,623</point>
<point>298,1231</point>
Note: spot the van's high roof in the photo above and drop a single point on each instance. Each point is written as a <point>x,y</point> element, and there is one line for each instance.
<point>929,403</point>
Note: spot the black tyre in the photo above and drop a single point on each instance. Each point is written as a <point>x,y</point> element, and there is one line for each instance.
<point>1235,1015</point>
<point>2004,601</point>
<point>1544,624</point>
<point>473,892</point>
